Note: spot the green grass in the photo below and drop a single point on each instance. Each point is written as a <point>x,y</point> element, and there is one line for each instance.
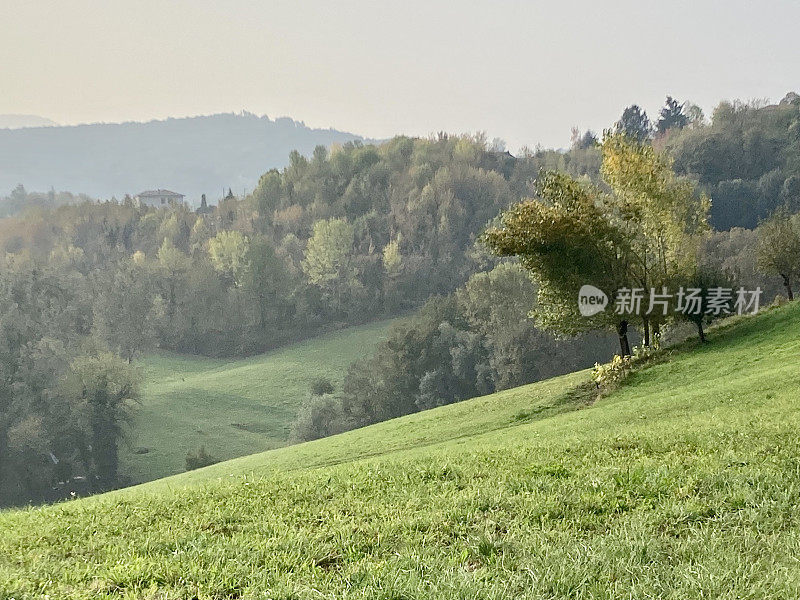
<point>232,407</point>
<point>684,483</point>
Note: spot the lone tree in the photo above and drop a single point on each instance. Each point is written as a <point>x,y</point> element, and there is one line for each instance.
<point>779,248</point>
<point>642,234</point>
<point>566,239</point>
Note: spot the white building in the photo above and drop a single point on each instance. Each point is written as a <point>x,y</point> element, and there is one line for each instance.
<point>159,198</point>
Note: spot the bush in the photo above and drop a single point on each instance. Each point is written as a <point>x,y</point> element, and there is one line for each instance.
<point>318,417</point>
<point>613,373</point>
<point>321,386</point>
<point>199,459</point>
<point>779,300</point>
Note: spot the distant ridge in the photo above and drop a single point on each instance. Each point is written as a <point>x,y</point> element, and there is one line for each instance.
<point>20,121</point>
<point>192,155</point>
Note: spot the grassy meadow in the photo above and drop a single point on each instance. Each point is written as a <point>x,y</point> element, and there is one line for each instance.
<point>683,483</point>
<point>185,396</point>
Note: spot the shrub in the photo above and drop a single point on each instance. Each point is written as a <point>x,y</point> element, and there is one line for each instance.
<point>779,300</point>
<point>318,417</point>
<point>613,373</point>
<point>321,386</point>
<point>199,459</point>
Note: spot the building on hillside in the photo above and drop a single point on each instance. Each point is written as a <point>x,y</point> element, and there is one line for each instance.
<point>159,198</point>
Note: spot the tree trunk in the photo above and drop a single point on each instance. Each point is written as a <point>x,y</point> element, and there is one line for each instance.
<point>646,331</point>
<point>700,332</point>
<point>788,285</point>
<point>622,332</point>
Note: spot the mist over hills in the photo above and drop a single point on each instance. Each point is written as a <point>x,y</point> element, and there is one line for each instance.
<point>192,155</point>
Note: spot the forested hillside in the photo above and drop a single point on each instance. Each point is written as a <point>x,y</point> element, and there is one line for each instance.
<point>747,159</point>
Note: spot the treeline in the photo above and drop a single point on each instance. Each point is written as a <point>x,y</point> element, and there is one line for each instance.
<point>20,200</point>
<point>747,158</point>
<point>338,238</point>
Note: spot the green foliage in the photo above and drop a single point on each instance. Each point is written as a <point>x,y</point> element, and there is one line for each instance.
<point>746,160</point>
<point>635,124</point>
<point>319,416</point>
<point>228,253</point>
<point>321,386</point>
<point>250,274</point>
<point>643,234</point>
<point>328,262</point>
<point>779,248</point>
<point>127,310</point>
<point>103,390</point>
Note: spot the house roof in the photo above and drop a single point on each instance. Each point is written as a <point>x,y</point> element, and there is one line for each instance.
<point>157,193</point>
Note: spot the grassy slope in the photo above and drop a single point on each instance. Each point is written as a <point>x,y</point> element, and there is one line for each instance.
<point>683,483</point>
<point>234,408</point>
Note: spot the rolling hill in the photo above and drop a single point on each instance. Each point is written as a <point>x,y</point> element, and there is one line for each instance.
<point>192,156</point>
<point>684,482</point>
<point>232,407</point>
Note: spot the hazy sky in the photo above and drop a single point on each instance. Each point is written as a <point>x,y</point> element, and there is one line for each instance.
<point>523,71</point>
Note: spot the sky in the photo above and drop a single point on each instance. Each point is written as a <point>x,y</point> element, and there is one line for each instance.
<point>523,71</point>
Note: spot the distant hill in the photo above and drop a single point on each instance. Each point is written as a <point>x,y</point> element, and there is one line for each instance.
<point>192,156</point>
<point>20,121</point>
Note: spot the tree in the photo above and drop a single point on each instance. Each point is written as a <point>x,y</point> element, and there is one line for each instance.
<point>642,234</point>
<point>635,124</point>
<point>695,116</point>
<point>582,141</point>
<point>266,279</point>
<point>566,238</point>
<point>173,264</point>
<point>127,310</point>
<point>328,261</point>
<point>228,253</point>
<point>496,304</point>
<point>779,248</point>
<point>102,390</point>
<point>672,116</point>
<point>661,214</point>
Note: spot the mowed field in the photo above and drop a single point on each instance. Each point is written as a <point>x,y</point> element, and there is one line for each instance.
<point>232,407</point>
<point>683,483</point>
